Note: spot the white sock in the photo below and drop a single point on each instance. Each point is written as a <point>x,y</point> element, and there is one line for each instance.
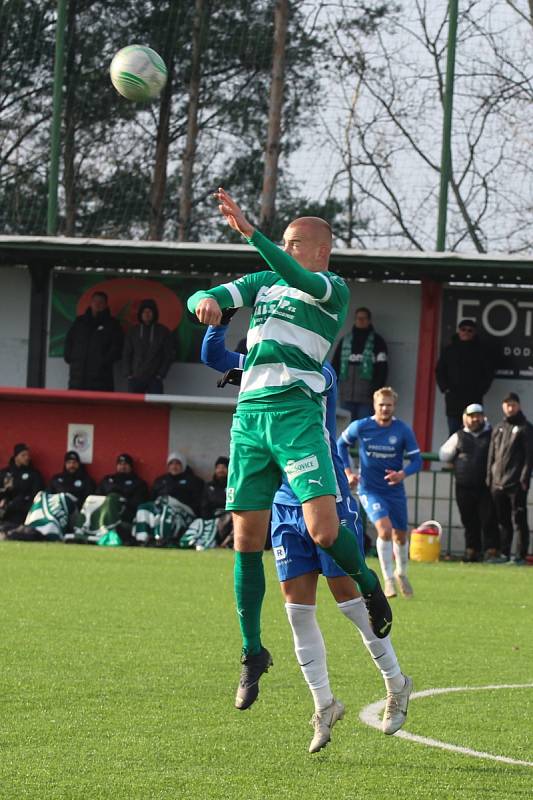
<point>384,549</point>
<point>381,650</point>
<point>401,554</point>
<point>310,652</point>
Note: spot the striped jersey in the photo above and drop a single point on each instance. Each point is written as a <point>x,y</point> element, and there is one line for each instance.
<point>296,316</point>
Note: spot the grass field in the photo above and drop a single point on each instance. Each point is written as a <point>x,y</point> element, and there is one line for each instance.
<point>118,670</point>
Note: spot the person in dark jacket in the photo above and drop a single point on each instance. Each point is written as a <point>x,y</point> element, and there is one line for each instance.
<point>464,372</point>
<point>92,345</point>
<point>509,467</point>
<point>468,451</point>
<point>361,362</point>
<point>74,479</point>
<point>19,483</point>
<point>126,483</point>
<point>214,494</point>
<point>148,351</point>
<point>179,482</point>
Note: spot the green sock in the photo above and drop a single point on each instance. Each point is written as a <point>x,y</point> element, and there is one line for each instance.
<point>249,582</point>
<point>345,551</point>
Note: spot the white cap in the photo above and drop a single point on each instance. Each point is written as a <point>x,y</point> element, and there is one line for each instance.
<point>175,456</point>
<point>474,408</point>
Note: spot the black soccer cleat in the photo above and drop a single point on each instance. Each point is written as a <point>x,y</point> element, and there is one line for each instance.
<point>379,610</point>
<point>252,669</point>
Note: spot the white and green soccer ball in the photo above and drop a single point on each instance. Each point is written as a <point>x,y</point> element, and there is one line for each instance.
<point>138,72</point>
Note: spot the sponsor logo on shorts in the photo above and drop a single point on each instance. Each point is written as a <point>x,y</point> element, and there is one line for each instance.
<point>279,553</point>
<point>376,506</point>
<point>296,468</point>
<point>230,494</point>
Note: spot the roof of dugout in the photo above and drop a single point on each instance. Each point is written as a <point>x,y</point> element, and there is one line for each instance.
<point>126,256</point>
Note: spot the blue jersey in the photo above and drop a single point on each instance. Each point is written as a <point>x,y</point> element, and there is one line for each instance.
<point>381,448</point>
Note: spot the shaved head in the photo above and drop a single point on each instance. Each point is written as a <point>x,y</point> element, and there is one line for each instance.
<point>308,240</point>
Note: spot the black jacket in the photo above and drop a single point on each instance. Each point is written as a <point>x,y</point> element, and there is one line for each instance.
<point>92,346</point>
<point>353,388</point>
<point>471,458</point>
<point>185,487</point>
<point>148,349</point>
<point>18,487</point>
<point>129,486</point>
<point>78,483</point>
<point>213,498</point>
<point>464,373</point>
<point>511,453</point>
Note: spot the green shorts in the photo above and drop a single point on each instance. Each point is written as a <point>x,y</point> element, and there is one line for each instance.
<point>264,444</point>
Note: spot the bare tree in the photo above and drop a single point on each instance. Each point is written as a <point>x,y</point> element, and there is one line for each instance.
<point>273,143</point>
<point>391,90</point>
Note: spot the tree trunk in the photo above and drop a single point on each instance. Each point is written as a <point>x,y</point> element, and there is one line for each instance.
<point>189,154</point>
<point>69,149</point>
<point>159,180</point>
<point>273,144</point>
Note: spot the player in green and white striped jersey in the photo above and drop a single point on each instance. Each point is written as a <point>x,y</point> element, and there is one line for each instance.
<point>298,309</point>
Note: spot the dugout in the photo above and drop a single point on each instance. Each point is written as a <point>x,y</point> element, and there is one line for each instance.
<point>416,299</point>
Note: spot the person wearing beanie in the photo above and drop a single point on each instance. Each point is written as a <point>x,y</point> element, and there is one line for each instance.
<point>509,466</point>
<point>468,451</point>
<point>126,483</point>
<point>464,372</point>
<point>148,351</point>
<point>174,504</point>
<point>19,483</point>
<point>73,479</point>
<point>214,494</point>
<point>179,482</point>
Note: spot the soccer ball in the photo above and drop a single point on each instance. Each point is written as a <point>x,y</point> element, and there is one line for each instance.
<point>138,72</point>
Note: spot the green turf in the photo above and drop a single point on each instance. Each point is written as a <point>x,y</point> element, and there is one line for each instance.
<point>118,669</point>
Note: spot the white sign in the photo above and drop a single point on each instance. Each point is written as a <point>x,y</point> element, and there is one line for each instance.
<point>81,438</point>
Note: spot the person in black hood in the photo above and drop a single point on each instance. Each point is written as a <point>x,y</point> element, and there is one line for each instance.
<point>464,372</point>
<point>73,479</point>
<point>148,351</point>
<point>509,466</point>
<point>19,483</point>
<point>92,345</point>
<point>179,482</point>
<point>361,362</point>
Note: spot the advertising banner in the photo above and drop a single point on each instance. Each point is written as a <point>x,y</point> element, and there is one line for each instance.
<point>504,319</point>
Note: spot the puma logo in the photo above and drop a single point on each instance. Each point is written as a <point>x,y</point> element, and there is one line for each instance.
<point>315,480</point>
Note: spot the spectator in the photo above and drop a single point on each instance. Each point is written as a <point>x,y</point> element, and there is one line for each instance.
<point>361,362</point>
<point>19,483</point>
<point>468,450</point>
<point>92,345</point>
<point>215,527</point>
<point>108,514</point>
<point>73,479</point>
<point>509,467</point>
<point>179,482</point>
<point>174,504</point>
<point>464,372</point>
<point>148,351</point>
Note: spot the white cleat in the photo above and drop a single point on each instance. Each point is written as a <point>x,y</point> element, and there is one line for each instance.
<point>395,712</point>
<point>403,584</point>
<point>389,588</point>
<point>323,722</point>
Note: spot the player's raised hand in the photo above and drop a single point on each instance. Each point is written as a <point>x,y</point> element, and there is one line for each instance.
<point>209,312</point>
<point>233,213</point>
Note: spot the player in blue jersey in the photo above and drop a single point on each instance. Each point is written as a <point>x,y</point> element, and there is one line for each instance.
<point>299,562</point>
<point>384,441</point>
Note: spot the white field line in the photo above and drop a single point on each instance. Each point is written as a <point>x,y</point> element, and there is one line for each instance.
<point>371,715</point>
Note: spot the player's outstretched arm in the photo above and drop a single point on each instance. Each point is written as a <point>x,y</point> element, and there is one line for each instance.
<point>214,353</point>
<point>313,283</point>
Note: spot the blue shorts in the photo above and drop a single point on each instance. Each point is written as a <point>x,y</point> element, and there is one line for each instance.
<point>294,551</point>
<point>393,506</point>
